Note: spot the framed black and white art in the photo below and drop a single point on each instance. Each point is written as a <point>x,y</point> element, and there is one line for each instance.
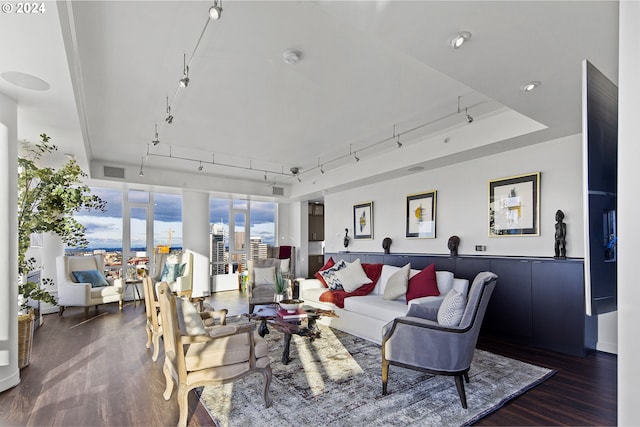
<point>421,215</point>
<point>363,220</point>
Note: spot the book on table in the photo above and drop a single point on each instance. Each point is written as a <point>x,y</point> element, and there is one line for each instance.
<point>298,314</point>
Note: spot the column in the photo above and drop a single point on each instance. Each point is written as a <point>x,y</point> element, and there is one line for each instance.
<point>9,372</point>
<point>195,237</point>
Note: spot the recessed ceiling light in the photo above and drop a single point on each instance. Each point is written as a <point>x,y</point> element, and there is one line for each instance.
<point>291,56</point>
<point>24,80</point>
<point>528,87</point>
<point>459,39</point>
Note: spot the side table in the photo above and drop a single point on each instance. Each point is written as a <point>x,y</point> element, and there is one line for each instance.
<point>134,283</point>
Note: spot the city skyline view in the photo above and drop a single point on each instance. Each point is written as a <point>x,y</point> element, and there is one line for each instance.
<point>103,230</point>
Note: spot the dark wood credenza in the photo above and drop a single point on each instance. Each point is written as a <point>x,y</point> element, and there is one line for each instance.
<point>537,301</point>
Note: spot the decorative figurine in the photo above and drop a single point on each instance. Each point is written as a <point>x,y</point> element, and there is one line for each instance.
<point>452,244</point>
<point>386,244</point>
<point>346,238</point>
<point>561,236</point>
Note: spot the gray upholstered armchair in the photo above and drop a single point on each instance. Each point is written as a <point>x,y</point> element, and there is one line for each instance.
<point>261,281</point>
<point>420,341</point>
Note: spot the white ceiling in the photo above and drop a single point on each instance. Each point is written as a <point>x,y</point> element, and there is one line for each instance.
<point>365,66</point>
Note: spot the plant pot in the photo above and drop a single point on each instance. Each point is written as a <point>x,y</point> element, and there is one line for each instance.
<point>25,338</point>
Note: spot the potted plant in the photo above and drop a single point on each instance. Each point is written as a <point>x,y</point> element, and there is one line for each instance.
<point>47,200</point>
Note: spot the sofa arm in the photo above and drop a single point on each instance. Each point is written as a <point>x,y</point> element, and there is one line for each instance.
<point>307,284</point>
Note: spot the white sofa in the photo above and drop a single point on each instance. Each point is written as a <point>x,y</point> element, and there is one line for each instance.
<point>364,316</point>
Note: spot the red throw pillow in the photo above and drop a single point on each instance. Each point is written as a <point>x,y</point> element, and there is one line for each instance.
<point>423,284</point>
<point>330,263</point>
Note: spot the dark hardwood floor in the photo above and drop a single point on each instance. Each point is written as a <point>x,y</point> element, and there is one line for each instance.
<point>96,371</point>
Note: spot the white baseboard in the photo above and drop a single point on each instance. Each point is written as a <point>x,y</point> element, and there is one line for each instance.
<point>607,347</point>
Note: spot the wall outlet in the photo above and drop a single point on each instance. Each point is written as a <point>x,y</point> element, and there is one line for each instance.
<point>481,248</point>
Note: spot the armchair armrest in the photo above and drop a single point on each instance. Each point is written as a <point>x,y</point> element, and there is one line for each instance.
<point>215,314</point>
<point>195,339</point>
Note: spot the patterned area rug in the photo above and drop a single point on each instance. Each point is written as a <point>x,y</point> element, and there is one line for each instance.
<point>336,381</point>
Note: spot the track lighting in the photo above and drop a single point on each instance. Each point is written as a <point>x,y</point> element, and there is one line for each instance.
<point>467,117</point>
<point>265,175</point>
<point>398,142</point>
<point>215,11</point>
<point>169,118</point>
<point>184,81</point>
<point>355,156</point>
<point>156,141</point>
<point>200,167</point>
<point>141,173</point>
<point>459,39</point>
<point>321,169</point>
<point>299,180</point>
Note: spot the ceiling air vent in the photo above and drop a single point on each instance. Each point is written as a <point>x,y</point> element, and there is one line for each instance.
<point>277,191</point>
<point>111,172</point>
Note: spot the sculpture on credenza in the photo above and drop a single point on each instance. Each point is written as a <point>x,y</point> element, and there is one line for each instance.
<point>452,244</point>
<point>386,244</point>
<point>346,239</point>
<point>561,236</point>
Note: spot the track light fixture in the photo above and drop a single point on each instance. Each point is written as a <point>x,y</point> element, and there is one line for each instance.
<point>141,173</point>
<point>215,11</point>
<point>322,169</point>
<point>184,81</point>
<point>200,167</point>
<point>169,118</point>
<point>156,141</point>
<point>355,156</point>
<point>398,142</point>
<point>467,116</point>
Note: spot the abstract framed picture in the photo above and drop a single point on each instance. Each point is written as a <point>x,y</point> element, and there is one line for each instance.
<point>421,215</point>
<point>363,220</point>
<point>514,206</point>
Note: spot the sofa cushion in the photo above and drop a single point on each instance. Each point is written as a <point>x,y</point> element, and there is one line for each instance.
<point>387,271</point>
<point>423,284</point>
<point>397,284</point>
<point>376,307</point>
<point>352,276</point>
<point>444,280</point>
<point>330,263</point>
<point>452,308</point>
<point>329,275</point>
<point>94,277</point>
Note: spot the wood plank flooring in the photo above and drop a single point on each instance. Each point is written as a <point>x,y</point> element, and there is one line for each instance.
<point>96,371</point>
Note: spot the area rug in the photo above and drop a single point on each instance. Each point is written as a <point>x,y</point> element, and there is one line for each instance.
<point>336,381</point>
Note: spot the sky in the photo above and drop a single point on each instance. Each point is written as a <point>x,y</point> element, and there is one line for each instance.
<point>104,229</point>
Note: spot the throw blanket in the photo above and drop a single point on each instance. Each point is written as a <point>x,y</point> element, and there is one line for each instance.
<point>372,271</point>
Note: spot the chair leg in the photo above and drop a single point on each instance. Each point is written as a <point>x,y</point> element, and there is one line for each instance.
<point>251,308</point>
<point>385,376</point>
<point>183,404</point>
<point>149,335</point>
<point>86,311</point>
<point>169,380</point>
<point>119,305</point>
<point>266,372</point>
<point>156,346</point>
<point>466,377</point>
<point>61,310</point>
<point>461,393</point>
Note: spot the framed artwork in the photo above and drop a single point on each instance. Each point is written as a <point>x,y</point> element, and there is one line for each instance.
<point>363,220</point>
<point>514,206</point>
<point>421,215</point>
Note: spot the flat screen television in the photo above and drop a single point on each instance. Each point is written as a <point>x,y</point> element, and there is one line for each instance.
<point>600,183</point>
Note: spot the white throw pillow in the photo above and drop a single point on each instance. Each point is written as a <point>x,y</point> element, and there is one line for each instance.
<point>352,276</point>
<point>284,265</point>
<point>264,276</point>
<point>397,284</point>
<point>452,309</point>
<point>189,319</point>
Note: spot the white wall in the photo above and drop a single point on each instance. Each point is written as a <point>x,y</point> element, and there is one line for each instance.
<point>9,372</point>
<point>462,207</point>
<point>628,207</point>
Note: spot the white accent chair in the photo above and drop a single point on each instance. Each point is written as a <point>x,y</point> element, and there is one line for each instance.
<point>183,285</point>
<point>74,294</point>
